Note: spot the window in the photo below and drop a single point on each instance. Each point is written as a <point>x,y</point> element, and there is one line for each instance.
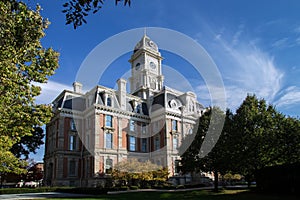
<point>72,168</point>
<point>108,141</point>
<point>108,166</point>
<point>131,125</point>
<point>175,142</point>
<point>108,121</point>
<point>174,125</point>
<point>156,143</point>
<point>138,108</point>
<point>108,101</point>
<point>72,125</point>
<point>131,143</point>
<point>177,166</point>
<point>144,144</point>
<point>72,142</point>
<point>143,128</point>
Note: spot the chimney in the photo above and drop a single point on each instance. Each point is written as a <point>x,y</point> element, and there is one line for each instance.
<point>122,93</point>
<point>77,87</point>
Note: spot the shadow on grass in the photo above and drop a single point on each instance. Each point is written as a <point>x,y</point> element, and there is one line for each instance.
<point>194,194</point>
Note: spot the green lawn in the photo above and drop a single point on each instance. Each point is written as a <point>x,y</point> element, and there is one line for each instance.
<point>203,195</point>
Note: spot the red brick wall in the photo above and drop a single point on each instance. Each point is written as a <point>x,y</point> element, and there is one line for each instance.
<point>115,133</point>
<point>124,132</point>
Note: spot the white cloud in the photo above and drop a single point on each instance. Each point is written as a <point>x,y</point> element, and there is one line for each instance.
<point>50,91</point>
<point>280,43</point>
<point>245,68</point>
<point>291,96</point>
<point>237,35</point>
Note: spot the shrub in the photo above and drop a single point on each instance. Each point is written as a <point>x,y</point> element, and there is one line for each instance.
<point>134,187</point>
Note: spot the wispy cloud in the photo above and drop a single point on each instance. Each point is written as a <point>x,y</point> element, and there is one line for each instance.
<point>280,43</point>
<point>237,35</point>
<point>246,69</point>
<point>290,96</point>
<point>50,90</point>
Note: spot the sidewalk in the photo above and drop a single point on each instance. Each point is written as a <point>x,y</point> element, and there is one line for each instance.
<point>43,195</point>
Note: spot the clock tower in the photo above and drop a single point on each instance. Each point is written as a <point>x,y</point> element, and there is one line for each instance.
<point>146,76</point>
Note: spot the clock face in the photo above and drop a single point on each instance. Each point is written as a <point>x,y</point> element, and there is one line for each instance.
<point>151,44</point>
<point>137,66</point>
<point>152,65</point>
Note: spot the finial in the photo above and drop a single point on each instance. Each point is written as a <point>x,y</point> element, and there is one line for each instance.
<point>145,31</point>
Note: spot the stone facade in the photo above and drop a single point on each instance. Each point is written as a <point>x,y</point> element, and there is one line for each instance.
<point>92,131</point>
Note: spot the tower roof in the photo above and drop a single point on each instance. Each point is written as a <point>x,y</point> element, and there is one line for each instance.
<point>146,43</point>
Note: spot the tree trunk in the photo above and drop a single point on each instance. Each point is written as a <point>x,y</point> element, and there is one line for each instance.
<point>248,179</point>
<point>216,181</point>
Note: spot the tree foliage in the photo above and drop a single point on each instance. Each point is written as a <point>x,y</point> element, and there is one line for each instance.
<point>28,143</point>
<point>77,10</point>
<point>255,137</point>
<point>217,159</point>
<point>131,169</point>
<point>24,62</point>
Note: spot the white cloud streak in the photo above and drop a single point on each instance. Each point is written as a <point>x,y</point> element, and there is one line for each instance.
<point>245,68</point>
<point>50,91</point>
<point>291,96</point>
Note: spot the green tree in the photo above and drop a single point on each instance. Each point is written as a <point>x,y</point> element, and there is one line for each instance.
<point>256,128</point>
<point>28,143</point>
<point>24,62</point>
<point>77,10</point>
<point>217,160</point>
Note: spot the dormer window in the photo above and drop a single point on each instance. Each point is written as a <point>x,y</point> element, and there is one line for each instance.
<point>138,108</point>
<point>108,101</point>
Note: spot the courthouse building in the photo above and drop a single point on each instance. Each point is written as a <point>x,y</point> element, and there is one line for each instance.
<point>92,131</point>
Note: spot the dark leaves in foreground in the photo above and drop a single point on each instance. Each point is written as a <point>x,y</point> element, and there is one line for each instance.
<point>77,10</point>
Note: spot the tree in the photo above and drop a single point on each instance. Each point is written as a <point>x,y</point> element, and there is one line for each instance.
<point>217,160</point>
<point>77,10</point>
<point>139,173</point>
<point>256,130</point>
<point>28,143</point>
<point>24,62</point>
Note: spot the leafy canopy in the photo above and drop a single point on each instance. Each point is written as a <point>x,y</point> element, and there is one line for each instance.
<point>23,62</point>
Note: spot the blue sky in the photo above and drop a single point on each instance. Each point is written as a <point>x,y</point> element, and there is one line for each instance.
<point>255,45</point>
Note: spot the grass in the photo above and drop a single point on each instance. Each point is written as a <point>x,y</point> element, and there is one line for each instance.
<point>195,194</point>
